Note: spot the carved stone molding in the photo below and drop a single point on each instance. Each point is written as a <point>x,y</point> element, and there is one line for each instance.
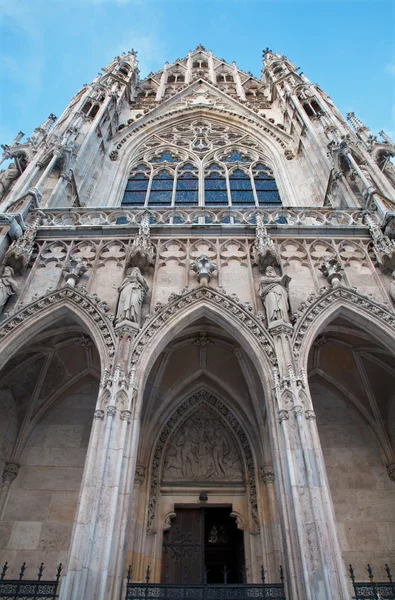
<point>267,473</point>
<point>318,304</point>
<point>182,413</point>
<point>139,475</point>
<point>155,322</point>
<point>239,520</point>
<point>167,520</point>
<point>91,305</point>
<point>10,472</point>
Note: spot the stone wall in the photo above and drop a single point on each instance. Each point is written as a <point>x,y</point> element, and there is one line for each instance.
<point>363,494</point>
<point>38,518</point>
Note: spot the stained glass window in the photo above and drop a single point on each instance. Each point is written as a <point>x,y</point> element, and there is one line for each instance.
<point>165,157</point>
<point>136,190</point>
<point>161,188</point>
<point>215,191</point>
<point>241,188</point>
<point>266,189</point>
<point>187,189</point>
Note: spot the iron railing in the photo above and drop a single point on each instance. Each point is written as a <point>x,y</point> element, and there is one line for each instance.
<point>23,589</point>
<point>205,590</point>
<point>372,589</point>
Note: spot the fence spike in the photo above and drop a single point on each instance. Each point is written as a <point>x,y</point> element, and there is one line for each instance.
<point>185,575</point>
<point>351,569</point>
<point>225,573</point>
<point>167,573</point>
<point>40,571</point>
<point>23,569</point>
<point>148,574</point>
<point>263,575</point>
<point>370,572</point>
<point>3,572</point>
<point>58,572</point>
<point>129,574</point>
<point>387,570</point>
<point>281,574</point>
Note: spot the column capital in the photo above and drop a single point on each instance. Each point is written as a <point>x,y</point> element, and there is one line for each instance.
<point>139,474</point>
<point>98,415</point>
<point>111,410</point>
<point>391,471</point>
<point>10,472</point>
<point>126,415</point>
<point>267,473</point>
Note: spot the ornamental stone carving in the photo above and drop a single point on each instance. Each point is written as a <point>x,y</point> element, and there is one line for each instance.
<point>7,178</point>
<point>10,472</point>
<point>8,286</point>
<point>273,290</point>
<point>268,475</point>
<point>264,250</point>
<point>332,270</point>
<point>392,287</point>
<point>202,450</point>
<point>204,268</point>
<point>20,252</point>
<point>74,269</point>
<point>139,475</point>
<point>141,253</point>
<point>98,415</point>
<point>132,292</point>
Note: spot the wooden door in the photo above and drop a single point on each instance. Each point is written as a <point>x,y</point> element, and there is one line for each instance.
<point>183,546</point>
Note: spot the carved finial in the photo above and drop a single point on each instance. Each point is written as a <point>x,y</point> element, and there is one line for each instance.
<point>74,270</point>
<point>142,252</point>
<point>264,250</point>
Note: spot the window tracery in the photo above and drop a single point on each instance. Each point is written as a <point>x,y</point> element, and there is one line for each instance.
<point>201,164</point>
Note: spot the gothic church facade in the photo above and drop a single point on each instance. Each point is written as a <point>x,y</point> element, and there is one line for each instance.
<point>197,335</point>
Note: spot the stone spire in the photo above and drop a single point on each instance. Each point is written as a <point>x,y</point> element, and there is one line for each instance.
<point>360,128</point>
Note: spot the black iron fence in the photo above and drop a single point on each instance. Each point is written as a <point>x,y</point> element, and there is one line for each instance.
<point>205,590</point>
<point>372,589</point>
<point>23,589</point>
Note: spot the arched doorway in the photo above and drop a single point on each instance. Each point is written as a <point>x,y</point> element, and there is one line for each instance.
<point>203,442</point>
<point>352,384</point>
<point>48,393</point>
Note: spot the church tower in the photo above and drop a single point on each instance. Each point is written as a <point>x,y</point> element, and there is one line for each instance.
<point>197,340</point>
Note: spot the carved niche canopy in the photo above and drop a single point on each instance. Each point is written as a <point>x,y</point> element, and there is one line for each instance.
<point>202,449</point>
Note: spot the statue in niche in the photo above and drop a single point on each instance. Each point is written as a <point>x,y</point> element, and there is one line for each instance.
<point>8,286</point>
<point>273,290</point>
<point>132,292</point>
<point>202,450</point>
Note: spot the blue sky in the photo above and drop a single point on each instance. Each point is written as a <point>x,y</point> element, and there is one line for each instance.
<point>50,48</point>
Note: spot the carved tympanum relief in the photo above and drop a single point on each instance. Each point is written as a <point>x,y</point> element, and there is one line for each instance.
<point>202,450</point>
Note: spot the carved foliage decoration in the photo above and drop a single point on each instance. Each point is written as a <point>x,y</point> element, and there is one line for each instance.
<point>202,450</point>
<point>217,297</point>
<point>206,412</point>
<point>90,304</point>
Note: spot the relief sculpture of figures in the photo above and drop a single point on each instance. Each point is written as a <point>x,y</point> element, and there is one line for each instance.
<point>273,290</point>
<point>132,292</point>
<point>201,450</point>
<point>8,286</point>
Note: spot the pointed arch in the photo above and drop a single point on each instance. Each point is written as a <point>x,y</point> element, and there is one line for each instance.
<point>341,301</point>
<point>178,416</point>
<point>226,310</point>
<point>34,317</point>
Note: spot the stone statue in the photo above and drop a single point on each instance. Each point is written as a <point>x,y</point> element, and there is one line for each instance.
<point>273,290</point>
<point>132,292</point>
<point>7,178</point>
<point>8,286</point>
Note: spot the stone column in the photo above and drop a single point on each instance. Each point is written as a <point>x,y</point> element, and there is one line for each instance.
<point>10,472</point>
<point>274,557</point>
<point>314,565</point>
<point>98,542</point>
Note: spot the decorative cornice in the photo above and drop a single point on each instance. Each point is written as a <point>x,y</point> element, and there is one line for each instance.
<point>228,303</point>
<point>92,305</point>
